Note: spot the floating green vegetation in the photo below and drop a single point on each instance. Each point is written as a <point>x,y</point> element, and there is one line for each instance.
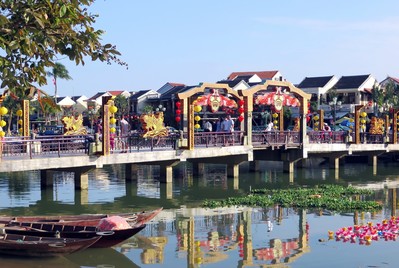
<point>330,197</point>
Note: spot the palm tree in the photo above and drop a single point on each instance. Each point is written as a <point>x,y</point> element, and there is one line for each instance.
<point>59,71</point>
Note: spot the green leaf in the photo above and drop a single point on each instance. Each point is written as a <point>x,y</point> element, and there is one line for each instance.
<point>63,10</point>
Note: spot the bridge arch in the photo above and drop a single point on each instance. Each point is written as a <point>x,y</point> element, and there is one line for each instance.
<point>211,97</point>
<point>271,87</point>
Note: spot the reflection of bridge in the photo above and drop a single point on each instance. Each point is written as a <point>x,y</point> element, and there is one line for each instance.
<point>205,236</point>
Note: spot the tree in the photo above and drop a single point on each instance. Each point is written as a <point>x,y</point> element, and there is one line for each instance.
<point>59,71</point>
<point>122,103</point>
<point>34,34</point>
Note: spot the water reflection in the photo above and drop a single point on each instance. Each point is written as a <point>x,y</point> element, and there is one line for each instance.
<point>186,235</point>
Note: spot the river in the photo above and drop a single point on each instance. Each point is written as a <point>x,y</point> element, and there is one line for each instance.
<point>187,235</point>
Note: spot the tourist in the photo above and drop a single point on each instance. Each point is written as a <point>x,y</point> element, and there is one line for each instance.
<point>207,126</point>
<point>124,134</point>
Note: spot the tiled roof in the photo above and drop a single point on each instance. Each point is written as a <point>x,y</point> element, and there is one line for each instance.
<point>230,83</point>
<point>138,94</point>
<point>176,84</point>
<point>396,80</point>
<point>115,92</point>
<point>168,94</point>
<point>313,82</point>
<point>99,94</point>
<point>354,81</point>
<point>264,75</point>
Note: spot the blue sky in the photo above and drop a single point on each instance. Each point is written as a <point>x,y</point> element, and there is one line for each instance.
<point>204,41</point>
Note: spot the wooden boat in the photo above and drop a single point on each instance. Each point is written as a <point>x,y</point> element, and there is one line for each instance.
<point>36,246</point>
<point>134,219</point>
<point>106,239</point>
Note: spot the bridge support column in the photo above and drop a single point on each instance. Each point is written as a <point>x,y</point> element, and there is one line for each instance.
<point>131,172</point>
<point>254,165</point>
<point>46,179</point>
<point>166,173</point>
<point>233,170</point>
<point>82,197</point>
<point>81,180</point>
<point>288,166</point>
<point>333,162</point>
<point>372,161</point>
<point>198,168</point>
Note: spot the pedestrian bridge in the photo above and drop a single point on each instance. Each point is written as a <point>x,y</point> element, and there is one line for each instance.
<point>79,154</point>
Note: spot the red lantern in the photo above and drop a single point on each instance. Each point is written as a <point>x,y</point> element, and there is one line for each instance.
<point>240,118</point>
<point>241,102</point>
<point>177,118</point>
<point>178,104</point>
<point>178,112</point>
<point>241,110</point>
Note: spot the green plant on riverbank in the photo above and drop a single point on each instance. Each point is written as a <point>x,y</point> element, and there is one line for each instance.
<point>330,197</point>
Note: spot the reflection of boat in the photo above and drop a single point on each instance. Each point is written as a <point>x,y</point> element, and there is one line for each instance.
<point>138,218</point>
<point>18,262</point>
<point>34,246</point>
<point>101,257</point>
<point>107,238</point>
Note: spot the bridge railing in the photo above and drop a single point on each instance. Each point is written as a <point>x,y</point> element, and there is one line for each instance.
<point>275,138</point>
<point>45,145</point>
<point>209,139</point>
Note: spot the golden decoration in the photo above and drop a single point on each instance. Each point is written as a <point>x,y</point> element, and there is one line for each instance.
<point>153,125</point>
<point>74,126</point>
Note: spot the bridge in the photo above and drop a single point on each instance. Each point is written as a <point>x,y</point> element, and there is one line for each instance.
<point>80,154</point>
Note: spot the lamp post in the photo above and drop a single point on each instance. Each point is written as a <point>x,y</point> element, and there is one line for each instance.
<point>334,103</point>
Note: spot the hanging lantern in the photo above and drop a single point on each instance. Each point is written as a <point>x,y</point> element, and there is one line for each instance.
<point>20,122</point>
<point>177,118</point>
<point>112,121</point>
<point>2,134</point>
<point>3,110</point>
<point>197,126</point>
<point>113,109</point>
<point>316,117</point>
<point>241,102</point>
<point>363,121</point>
<point>19,113</point>
<point>178,104</point>
<point>275,122</point>
<point>3,123</point>
<point>178,112</point>
<point>20,130</point>
<point>197,118</point>
<point>363,114</point>
<point>112,130</point>
<point>240,118</point>
<point>275,115</point>
<point>197,108</point>
<point>241,110</point>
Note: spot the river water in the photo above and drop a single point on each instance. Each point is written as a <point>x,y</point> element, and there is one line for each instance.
<point>187,235</point>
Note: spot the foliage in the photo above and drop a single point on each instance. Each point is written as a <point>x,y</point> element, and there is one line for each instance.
<point>122,103</point>
<point>59,71</point>
<point>33,34</point>
<point>331,197</point>
<point>148,109</point>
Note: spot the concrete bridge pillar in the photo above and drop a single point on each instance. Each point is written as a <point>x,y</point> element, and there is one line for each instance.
<point>333,162</point>
<point>254,165</point>
<point>198,168</point>
<point>372,161</point>
<point>46,179</point>
<point>81,180</point>
<point>131,172</point>
<point>233,170</point>
<point>166,173</point>
<point>288,166</point>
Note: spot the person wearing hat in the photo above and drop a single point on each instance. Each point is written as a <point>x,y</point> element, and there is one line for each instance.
<point>327,132</point>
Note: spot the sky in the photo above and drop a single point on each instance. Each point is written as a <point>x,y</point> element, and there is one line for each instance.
<point>190,42</point>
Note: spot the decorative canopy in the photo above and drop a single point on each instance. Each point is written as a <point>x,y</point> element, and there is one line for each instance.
<point>215,101</point>
<point>277,99</point>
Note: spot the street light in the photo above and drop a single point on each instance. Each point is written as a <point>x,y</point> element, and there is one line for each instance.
<point>334,103</point>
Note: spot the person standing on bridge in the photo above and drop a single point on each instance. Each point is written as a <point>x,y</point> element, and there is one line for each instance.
<point>124,134</point>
